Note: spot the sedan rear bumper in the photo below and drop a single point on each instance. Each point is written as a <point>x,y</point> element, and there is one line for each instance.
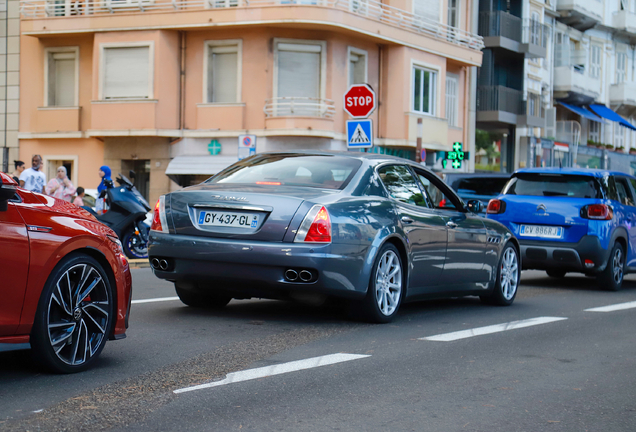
<point>547,255</point>
<point>257,269</point>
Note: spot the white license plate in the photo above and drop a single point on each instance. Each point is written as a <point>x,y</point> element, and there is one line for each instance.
<point>228,219</point>
<point>541,231</point>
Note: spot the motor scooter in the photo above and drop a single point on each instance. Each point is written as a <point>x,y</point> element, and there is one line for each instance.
<point>126,213</point>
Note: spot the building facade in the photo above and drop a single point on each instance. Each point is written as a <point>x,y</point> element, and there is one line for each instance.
<point>9,83</point>
<point>167,87</point>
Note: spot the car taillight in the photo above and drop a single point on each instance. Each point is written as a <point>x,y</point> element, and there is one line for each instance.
<point>496,206</point>
<point>316,227</point>
<point>598,212</point>
<point>159,222</point>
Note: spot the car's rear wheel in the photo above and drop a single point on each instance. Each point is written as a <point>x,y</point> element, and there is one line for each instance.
<point>74,316</point>
<point>386,287</point>
<point>556,273</point>
<point>190,296</point>
<point>612,277</point>
<point>508,275</point>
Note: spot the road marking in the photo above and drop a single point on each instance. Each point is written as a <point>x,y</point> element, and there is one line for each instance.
<point>463,334</point>
<point>278,369</point>
<point>612,308</point>
<point>152,300</point>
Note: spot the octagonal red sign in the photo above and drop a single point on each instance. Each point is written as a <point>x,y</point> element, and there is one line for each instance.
<point>359,101</point>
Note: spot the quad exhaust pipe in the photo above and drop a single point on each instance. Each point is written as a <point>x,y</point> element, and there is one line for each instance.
<point>292,275</point>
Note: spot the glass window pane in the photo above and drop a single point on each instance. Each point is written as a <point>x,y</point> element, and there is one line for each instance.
<point>417,90</point>
<point>401,185</point>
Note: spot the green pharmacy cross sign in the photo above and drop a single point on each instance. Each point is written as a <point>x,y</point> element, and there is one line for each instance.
<point>214,147</point>
<point>453,159</point>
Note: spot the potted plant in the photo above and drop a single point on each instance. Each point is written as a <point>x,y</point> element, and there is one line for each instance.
<point>609,146</point>
<point>591,143</point>
<point>632,151</point>
<point>620,149</point>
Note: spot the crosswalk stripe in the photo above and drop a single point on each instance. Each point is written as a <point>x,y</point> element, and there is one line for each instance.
<point>479,331</point>
<point>152,300</point>
<point>612,308</point>
<point>278,369</point>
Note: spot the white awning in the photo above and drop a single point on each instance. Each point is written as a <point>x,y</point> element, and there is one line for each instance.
<point>199,165</point>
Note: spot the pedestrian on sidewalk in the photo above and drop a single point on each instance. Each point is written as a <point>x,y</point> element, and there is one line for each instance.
<point>33,179</point>
<point>79,201</point>
<point>19,168</point>
<point>60,186</point>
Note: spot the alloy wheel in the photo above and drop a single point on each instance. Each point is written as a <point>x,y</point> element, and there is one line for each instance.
<point>617,266</point>
<point>388,283</point>
<point>509,273</point>
<point>78,314</point>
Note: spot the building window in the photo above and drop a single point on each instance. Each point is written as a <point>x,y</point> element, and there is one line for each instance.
<point>223,72</point>
<point>453,13</point>
<point>424,90</point>
<point>452,87</point>
<point>595,61</point>
<point>535,29</point>
<point>534,104</point>
<point>357,66</point>
<point>621,62</point>
<point>427,8</point>
<point>595,131</point>
<point>127,72</point>
<point>61,77</point>
<point>299,69</point>
<point>619,136</point>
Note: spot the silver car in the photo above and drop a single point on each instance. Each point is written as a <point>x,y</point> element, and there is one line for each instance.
<point>371,228</point>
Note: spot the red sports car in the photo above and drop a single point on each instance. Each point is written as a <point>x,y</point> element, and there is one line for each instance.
<point>66,286</point>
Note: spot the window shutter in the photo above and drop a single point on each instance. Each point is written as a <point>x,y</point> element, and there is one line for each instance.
<point>223,74</point>
<point>298,70</point>
<point>427,8</point>
<point>550,123</point>
<point>61,79</point>
<point>126,72</point>
<point>356,69</point>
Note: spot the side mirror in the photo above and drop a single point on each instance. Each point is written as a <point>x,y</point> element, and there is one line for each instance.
<point>132,175</point>
<point>7,191</point>
<point>475,206</point>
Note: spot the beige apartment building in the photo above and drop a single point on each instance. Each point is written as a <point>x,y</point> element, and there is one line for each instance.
<point>167,87</point>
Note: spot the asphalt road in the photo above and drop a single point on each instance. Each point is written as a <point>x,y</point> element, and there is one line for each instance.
<point>284,366</point>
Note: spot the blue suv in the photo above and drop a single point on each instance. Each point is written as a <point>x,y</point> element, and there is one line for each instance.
<point>572,220</point>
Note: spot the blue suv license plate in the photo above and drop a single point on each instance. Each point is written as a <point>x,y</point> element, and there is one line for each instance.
<point>541,231</point>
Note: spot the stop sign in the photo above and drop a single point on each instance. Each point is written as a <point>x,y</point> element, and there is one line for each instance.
<point>359,101</point>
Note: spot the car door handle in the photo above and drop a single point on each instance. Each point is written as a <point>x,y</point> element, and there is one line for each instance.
<point>451,224</point>
<point>407,220</point>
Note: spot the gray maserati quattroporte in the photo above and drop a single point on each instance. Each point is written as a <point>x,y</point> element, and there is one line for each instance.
<point>370,228</point>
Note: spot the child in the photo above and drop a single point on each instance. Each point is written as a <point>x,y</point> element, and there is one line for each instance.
<point>78,201</point>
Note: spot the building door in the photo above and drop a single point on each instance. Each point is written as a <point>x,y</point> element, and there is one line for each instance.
<point>53,164</point>
<point>141,167</point>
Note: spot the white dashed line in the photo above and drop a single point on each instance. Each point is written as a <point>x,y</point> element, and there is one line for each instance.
<point>612,308</point>
<point>152,300</point>
<point>278,369</point>
<point>463,334</point>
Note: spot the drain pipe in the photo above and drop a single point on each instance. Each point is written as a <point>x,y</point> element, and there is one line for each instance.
<point>182,63</point>
<point>472,110</point>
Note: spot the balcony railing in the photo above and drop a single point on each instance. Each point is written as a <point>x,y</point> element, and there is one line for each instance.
<point>500,98</point>
<point>299,106</point>
<point>535,33</point>
<point>370,9</point>
<point>500,23</point>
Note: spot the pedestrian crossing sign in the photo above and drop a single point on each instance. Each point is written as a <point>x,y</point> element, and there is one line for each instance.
<point>359,133</point>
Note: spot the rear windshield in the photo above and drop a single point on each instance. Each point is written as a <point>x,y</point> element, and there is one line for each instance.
<point>330,172</point>
<point>486,186</point>
<point>557,185</point>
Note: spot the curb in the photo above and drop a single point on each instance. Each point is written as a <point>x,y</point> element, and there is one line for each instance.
<point>138,263</point>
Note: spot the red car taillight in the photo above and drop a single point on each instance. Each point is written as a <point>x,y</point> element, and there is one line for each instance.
<point>598,212</point>
<point>496,206</point>
<point>159,222</point>
<point>316,227</point>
